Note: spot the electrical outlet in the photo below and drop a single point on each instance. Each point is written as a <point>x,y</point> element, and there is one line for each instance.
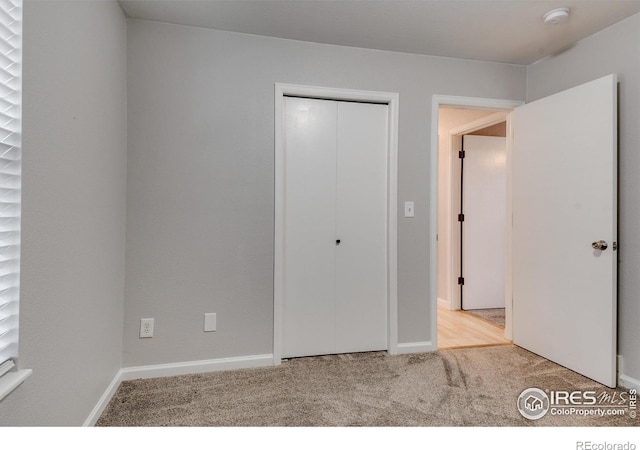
<point>210,322</point>
<point>146,328</point>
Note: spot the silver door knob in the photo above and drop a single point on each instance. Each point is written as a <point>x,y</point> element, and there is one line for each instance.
<point>600,245</point>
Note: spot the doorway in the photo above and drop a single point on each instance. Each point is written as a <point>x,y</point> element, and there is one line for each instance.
<point>452,326</point>
<point>471,227</point>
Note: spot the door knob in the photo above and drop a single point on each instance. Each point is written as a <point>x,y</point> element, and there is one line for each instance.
<point>600,245</point>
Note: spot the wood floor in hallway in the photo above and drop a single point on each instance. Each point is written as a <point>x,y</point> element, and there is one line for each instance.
<point>460,329</point>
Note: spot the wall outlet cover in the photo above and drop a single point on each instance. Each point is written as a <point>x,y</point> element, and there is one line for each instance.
<point>210,322</point>
<point>146,328</point>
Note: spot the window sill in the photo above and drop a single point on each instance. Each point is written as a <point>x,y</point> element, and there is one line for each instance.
<point>10,381</point>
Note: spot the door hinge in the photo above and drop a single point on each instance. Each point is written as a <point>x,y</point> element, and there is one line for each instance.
<point>461,154</point>
<point>461,281</point>
<point>460,217</point>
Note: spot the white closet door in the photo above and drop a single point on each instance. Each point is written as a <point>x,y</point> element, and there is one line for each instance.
<point>335,294</point>
<point>485,217</point>
<point>310,216</point>
<point>361,227</point>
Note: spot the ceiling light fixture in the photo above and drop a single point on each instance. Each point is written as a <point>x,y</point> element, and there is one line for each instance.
<point>556,16</point>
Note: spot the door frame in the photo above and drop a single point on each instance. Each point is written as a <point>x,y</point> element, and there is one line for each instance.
<point>497,105</point>
<point>283,90</point>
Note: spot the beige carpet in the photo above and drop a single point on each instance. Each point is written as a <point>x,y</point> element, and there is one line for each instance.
<point>464,387</point>
<point>493,315</point>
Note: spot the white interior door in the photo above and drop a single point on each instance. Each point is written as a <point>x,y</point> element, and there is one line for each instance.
<point>485,217</point>
<point>309,227</point>
<point>361,259</point>
<point>335,227</point>
<point>564,199</point>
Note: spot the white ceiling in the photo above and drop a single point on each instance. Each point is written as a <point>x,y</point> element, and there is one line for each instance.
<point>509,31</point>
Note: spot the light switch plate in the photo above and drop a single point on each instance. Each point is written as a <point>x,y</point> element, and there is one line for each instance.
<point>210,322</point>
<point>409,209</point>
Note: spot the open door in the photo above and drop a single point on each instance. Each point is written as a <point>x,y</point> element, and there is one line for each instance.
<point>564,191</point>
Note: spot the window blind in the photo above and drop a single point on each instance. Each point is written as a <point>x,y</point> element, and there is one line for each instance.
<point>10,173</point>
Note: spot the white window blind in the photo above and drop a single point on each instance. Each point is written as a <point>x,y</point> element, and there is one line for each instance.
<point>10,173</point>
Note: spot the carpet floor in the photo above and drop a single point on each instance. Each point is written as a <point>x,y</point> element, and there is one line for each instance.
<point>462,387</point>
<point>494,315</point>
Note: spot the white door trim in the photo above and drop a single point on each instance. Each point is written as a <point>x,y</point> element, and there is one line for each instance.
<point>392,100</point>
<point>468,102</point>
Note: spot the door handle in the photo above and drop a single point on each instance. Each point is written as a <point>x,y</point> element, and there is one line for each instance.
<point>600,245</point>
<point>337,241</point>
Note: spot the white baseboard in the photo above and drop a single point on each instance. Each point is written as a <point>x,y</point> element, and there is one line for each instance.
<point>625,380</point>
<point>445,303</point>
<point>188,367</point>
<point>104,401</point>
<point>628,382</point>
<point>416,347</point>
<point>173,369</point>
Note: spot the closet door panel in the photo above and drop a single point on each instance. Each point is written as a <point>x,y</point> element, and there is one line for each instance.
<point>310,217</point>
<point>361,227</point>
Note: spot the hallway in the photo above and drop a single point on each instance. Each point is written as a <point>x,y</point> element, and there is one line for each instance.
<point>460,329</point>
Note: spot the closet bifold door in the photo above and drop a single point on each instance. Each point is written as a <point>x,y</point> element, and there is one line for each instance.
<point>361,226</point>
<point>335,235</point>
<point>310,218</point>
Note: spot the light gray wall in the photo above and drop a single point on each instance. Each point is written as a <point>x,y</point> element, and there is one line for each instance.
<point>201,184</point>
<point>614,50</point>
<point>73,216</point>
